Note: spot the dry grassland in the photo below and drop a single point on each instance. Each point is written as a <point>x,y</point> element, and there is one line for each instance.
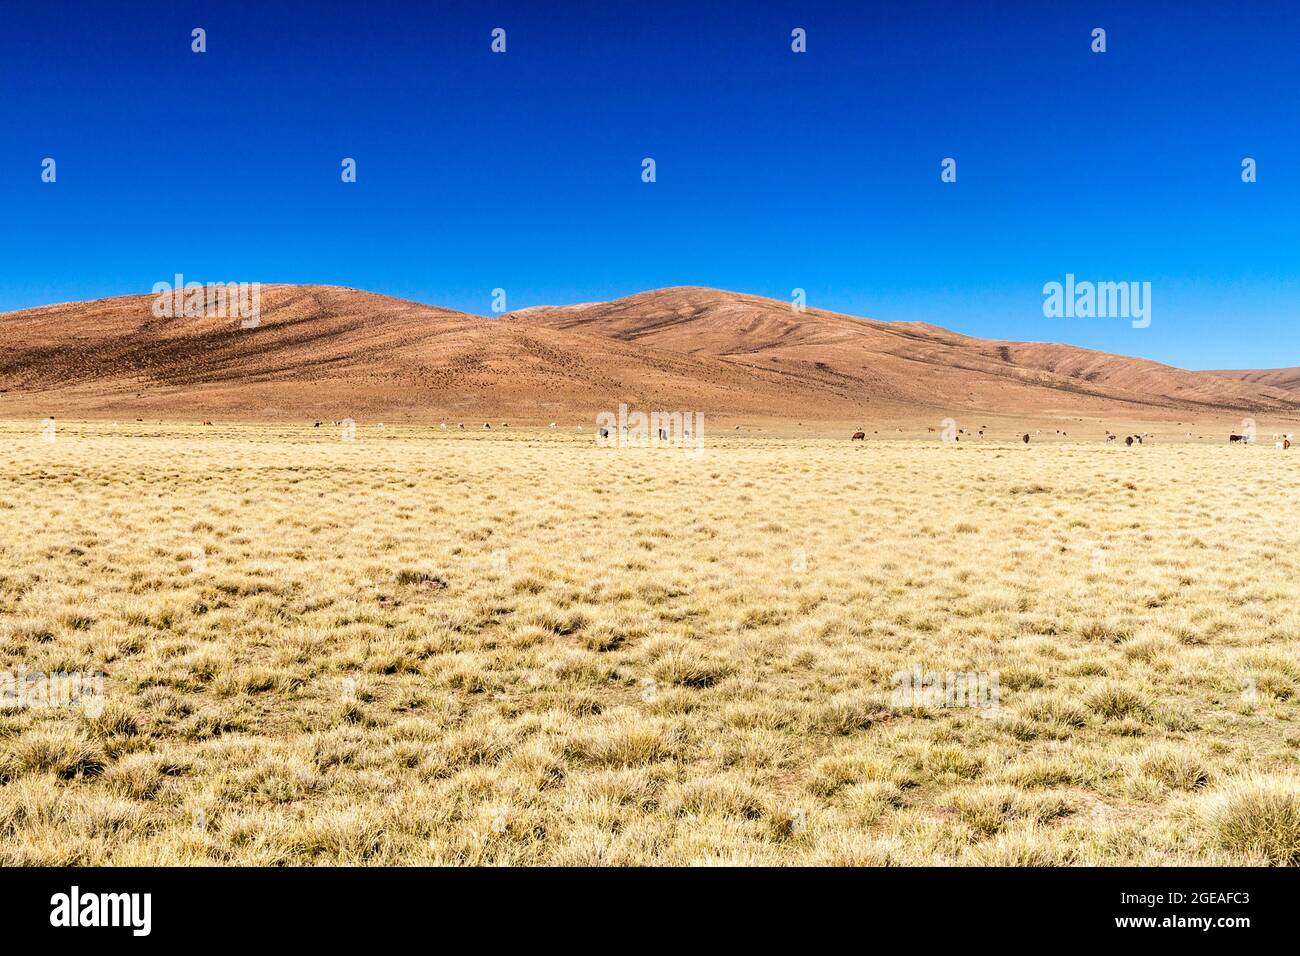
<point>516,648</point>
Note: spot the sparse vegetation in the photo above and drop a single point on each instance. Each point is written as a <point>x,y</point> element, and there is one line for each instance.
<point>518,648</point>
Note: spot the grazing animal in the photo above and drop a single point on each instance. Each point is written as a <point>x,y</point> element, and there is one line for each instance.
<point>1110,438</point>
<point>1129,441</point>
<point>1234,439</point>
<point>604,433</point>
<point>552,425</point>
<point>443,426</point>
<point>1026,438</point>
<point>487,426</point>
<point>207,423</point>
<point>859,436</point>
<point>460,425</point>
<point>317,425</point>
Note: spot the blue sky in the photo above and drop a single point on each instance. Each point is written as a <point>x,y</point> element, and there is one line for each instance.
<point>775,170</point>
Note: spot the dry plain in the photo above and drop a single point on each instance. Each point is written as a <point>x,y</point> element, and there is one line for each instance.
<point>517,648</point>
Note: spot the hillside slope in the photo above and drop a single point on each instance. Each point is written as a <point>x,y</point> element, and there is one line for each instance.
<point>323,352</point>
<point>909,363</point>
<point>1286,379</point>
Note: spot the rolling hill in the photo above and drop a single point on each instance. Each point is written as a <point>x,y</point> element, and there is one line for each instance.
<point>324,352</point>
<point>1287,379</point>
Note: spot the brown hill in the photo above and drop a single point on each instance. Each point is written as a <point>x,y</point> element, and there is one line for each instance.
<point>324,352</point>
<point>910,364</point>
<point>1287,379</point>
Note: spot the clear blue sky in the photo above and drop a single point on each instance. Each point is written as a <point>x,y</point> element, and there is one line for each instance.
<point>775,170</point>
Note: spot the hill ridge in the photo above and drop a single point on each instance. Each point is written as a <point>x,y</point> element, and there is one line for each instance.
<point>333,351</point>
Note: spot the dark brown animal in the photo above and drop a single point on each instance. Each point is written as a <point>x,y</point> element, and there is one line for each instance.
<point>1233,439</point>
<point>859,436</point>
<point>1026,438</point>
<point>207,423</point>
<point>1129,441</point>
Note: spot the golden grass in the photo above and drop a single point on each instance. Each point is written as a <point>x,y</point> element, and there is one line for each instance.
<point>423,647</point>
